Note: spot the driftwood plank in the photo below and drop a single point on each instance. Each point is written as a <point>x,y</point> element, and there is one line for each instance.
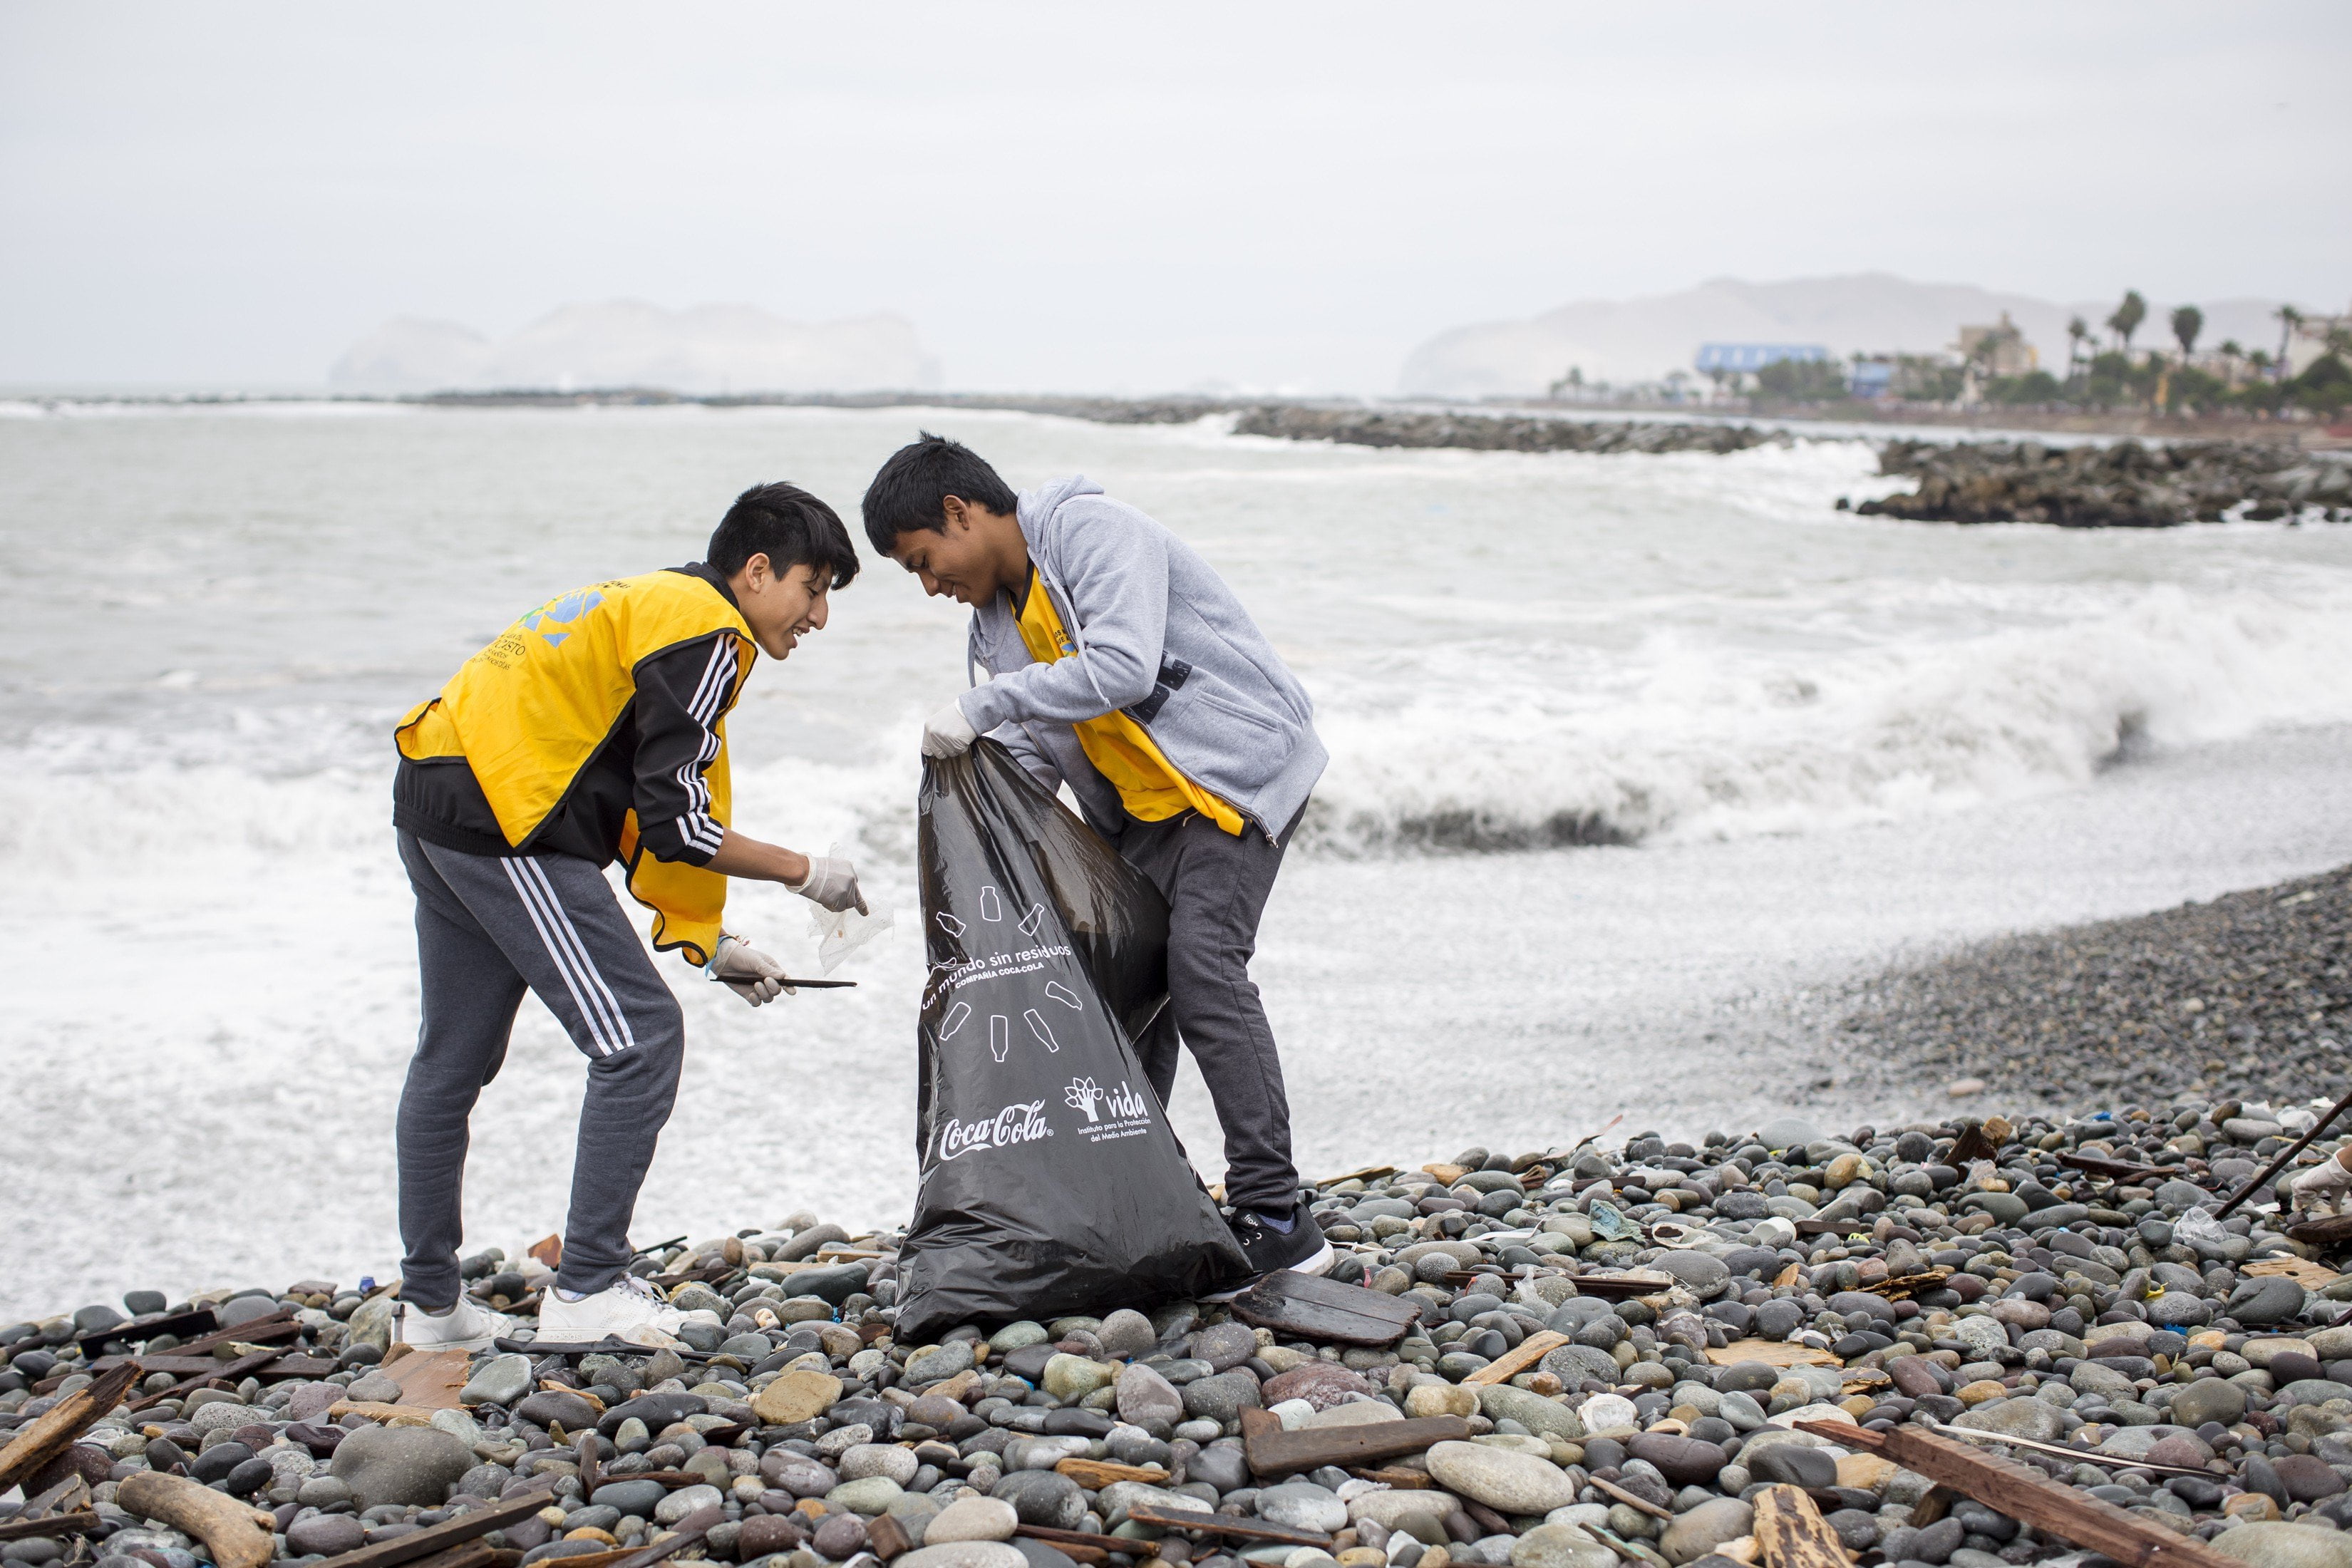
<point>276,1328</point>
<point>1628,1499</point>
<point>197,1321</point>
<point>53,1433</point>
<point>2026,1494</point>
<point>1624,1287</point>
<point>2120,1170</point>
<point>470,1525</point>
<point>1316,1307</point>
<point>1209,1523</point>
<point>1081,1546</point>
<point>1271,1451</point>
<point>1512,1362</point>
<point>238,1535</point>
<point>56,1524</point>
<point>1096,1474</point>
<point>1771,1352</point>
<point>231,1370</point>
<point>1792,1534</point>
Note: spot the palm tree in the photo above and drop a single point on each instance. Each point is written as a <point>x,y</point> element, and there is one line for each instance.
<point>2127,317</point>
<point>2187,322</point>
<point>2231,352</point>
<point>2076,330</point>
<point>2289,318</point>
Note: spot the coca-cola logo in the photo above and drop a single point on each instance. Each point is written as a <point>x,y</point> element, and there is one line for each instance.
<point>1019,1123</point>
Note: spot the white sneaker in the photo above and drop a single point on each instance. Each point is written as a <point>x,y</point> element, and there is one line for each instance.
<point>628,1308</point>
<point>464,1327</point>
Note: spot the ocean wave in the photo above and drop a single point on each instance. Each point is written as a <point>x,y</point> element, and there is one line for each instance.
<point>1534,745</point>
<point>1538,732</point>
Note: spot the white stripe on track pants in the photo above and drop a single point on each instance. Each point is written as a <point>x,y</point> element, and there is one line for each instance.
<point>487,928</point>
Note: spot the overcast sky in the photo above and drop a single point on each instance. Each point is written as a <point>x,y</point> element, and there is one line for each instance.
<point>1088,198</point>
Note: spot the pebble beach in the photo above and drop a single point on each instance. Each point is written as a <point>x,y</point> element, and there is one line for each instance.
<point>1637,1343</point>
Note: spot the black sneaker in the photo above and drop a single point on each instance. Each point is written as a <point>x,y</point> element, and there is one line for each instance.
<point>1301,1249</point>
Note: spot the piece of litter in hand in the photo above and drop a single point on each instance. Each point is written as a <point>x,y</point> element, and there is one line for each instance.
<point>840,932</point>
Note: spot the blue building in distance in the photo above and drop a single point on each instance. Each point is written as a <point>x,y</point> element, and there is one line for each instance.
<point>1742,359</point>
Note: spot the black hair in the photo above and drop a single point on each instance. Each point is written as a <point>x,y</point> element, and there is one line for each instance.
<point>790,526</point>
<point>910,492</point>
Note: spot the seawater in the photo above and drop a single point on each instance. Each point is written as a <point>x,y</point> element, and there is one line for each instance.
<point>1627,751</point>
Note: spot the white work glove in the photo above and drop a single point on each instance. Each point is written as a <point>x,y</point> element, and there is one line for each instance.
<point>749,972</point>
<point>948,733</point>
<point>2321,1189</point>
<point>831,883</point>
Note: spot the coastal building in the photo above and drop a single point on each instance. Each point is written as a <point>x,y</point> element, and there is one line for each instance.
<point>1721,359</point>
<point>1996,350</point>
<point>1872,379</point>
<point>2308,343</point>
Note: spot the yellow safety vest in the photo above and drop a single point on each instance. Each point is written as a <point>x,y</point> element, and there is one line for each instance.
<point>1150,787</point>
<point>529,711</point>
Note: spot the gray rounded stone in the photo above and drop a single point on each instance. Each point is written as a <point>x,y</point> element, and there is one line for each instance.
<point>638,1498</point>
<point>1695,1534</point>
<point>1504,1481</point>
<point>964,1554</point>
<point>1126,1333</point>
<point>2208,1399</point>
<point>326,1535</point>
<point>400,1464</point>
<point>1045,1498</point>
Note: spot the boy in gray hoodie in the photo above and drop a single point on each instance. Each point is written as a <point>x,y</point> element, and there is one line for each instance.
<point>1122,665</point>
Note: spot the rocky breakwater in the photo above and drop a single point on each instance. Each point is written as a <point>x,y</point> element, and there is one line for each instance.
<point>2124,485</point>
<point>1360,427</point>
<point>1610,1355</point>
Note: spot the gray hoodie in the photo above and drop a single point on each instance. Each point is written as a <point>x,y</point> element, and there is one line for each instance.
<point>1156,633</point>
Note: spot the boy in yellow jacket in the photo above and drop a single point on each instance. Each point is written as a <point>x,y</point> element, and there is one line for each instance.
<point>591,730</point>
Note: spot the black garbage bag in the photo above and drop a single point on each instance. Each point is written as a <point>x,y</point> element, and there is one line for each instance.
<point>1051,1180</point>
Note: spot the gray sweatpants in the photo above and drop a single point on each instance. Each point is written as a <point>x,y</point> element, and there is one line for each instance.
<point>1216,887</point>
<point>486,929</point>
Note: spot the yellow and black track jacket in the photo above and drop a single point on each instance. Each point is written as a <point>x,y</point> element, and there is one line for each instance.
<point>595,726</point>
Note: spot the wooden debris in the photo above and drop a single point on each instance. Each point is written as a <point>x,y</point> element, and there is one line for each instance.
<point>195,1320</point>
<point>1969,1147</point>
<point>1628,1499</point>
<point>1271,1451</point>
<point>52,1434</point>
<point>470,1525</point>
<point>1771,1352</point>
<point>548,1249</point>
<point>2086,1456</point>
<point>690,1532</point>
<point>1512,1362</point>
<point>1786,1276</point>
<point>1397,1478</point>
<point>1624,1287</point>
<point>1081,1545</point>
<point>1449,1174</point>
<point>471,1555</point>
<point>2120,1170</point>
<point>1320,1309</point>
<point>2328,1233</point>
<point>1096,1474</point>
<point>275,1328</point>
<point>2302,1270</point>
<point>1904,1286</point>
<point>1368,1173</point>
<point>885,1537</point>
<point>2026,1494</point>
<point>1208,1523</point>
<point>236,1535</point>
<point>1792,1534</point>
<point>430,1380</point>
<point>79,1524</point>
